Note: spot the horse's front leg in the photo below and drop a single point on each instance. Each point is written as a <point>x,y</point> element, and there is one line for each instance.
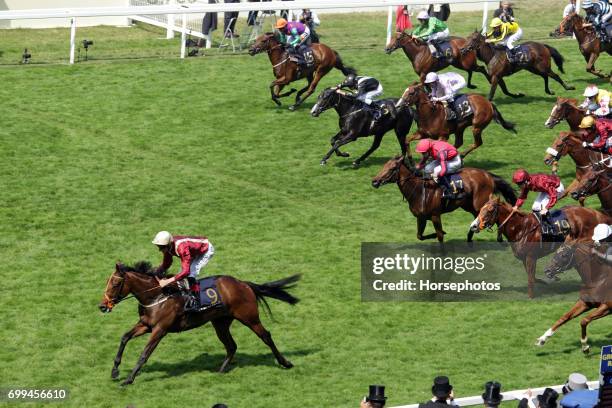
<point>530,268</point>
<point>312,85</point>
<point>336,145</point>
<point>138,330</point>
<point>156,336</point>
<point>333,141</point>
<point>602,311</point>
<point>590,68</point>
<point>375,144</point>
<point>504,88</point>
<point>579,308</point>
<point>477,141</point>
<point>415,136</point>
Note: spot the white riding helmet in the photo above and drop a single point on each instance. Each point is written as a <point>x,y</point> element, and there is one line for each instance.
<point>162,238</point>
<point>431,77</point>
<point>601,232</point>
<point>587,4</point>
<point>423,15</point>
<point>591,91</point>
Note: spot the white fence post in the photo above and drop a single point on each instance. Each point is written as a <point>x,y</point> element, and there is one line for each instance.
<point>170,17</point>
<point>485,15</point>
<point>183,35</point>
<point>389,24</point>
<point>72,38</point>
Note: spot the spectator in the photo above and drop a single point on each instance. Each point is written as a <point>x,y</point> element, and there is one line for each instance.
<point>285,13</point>
<point>209,24</point>
<point>230,21</point>
<point>548,399</point>
<point>576,381</point>
<point>584,398</point>
<point>219,406</point>
<point>402,19</point>
<point>443,14</point>
<point>492,396</point>
<point>505,12</point>
<point>310,19</point>
<point>570,8</point>
<point>252,17</point>
<point>376,398</point>
<point>442,392</point>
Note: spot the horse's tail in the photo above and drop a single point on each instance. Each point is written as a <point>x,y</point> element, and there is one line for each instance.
<point>503,187</point>
<point>498,118</point>
<point>346,70</point>
<point>276,290</point>
<point>557,57</point>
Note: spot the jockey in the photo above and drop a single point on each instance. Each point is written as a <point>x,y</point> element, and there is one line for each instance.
<point>431,29</point>
<point>549,188</point>
<point>296,35</point>
<point>194,252</point>
<point>597,101</point>
<point>603,138</point>
<point>603,233</point>
<point>599,16</point>
<point>505,34</point>
<point>443,88</point>
<point>445,160</point>
<point>367,89</point>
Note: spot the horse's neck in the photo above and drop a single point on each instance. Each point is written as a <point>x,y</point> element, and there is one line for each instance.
<point>344,106</point>
<point>412,49</point>
<point>427,112</point>
<point>486,52</point>
<point>412,189</point>
<point>579,155</point>
<point>275,54</point>
<point>512,227</point>
<point>142,286</point>
<point>574,117</point>
<point>581,32</point>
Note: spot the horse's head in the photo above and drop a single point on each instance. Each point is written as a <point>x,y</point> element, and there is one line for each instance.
<point>411,95</point>
<point>587,185</point>
<point>389,173</point>
<point>560,111</point>
<point>116,289</point>
<point>488,214</point>
<point>265,42</point>
<point>473,42</point>
<point>396,41</point>
<point>326,100</point>
<point>560,148</point>
<point>570,22</point>
<point>562,261</point>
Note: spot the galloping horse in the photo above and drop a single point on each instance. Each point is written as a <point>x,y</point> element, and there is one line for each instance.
<point>588,42</point>
<point>524,233</point>
<point>355,121</point>
<point>565,108</point>
<point>431,118</point>
<point>425,197</point>
<point>161,310</point>
<point>597,180</point>
<point>423,62</point>
<point>287,71</point>
<point>499,66</point>
<point>595,292</point>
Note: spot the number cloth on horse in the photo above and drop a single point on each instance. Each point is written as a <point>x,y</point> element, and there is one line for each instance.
<point>209,295</point>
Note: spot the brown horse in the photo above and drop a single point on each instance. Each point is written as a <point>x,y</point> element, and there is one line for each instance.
<point>425,197</point>
<point>161,310</point>
<point>588,42</point>
<point>524,233</point>
<point>565,108</point>
<point>499,66</point>
<point>287,71</point>
<point>595,292</point>
<point>432,123</point>
<point>597,180</point>
<point>423,62</point>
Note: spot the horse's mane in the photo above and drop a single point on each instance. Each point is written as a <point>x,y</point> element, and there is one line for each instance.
<point>141,267</point>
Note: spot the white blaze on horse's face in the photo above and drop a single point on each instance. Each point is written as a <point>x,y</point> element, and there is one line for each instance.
<point>550,123</point>
<point>314,108</point>
<point>475,225</point>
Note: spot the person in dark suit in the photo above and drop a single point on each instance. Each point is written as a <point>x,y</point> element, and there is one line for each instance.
<point>548,399</point>
<point>376,397</point>
<point>505,12</point>
<point>442,392</point>
<point>228,23</point>
<point>492,396</point>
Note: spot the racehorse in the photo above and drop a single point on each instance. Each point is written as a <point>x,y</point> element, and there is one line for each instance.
<point>423,62</point>
<point>565,108</point>
<point>524,233</point>
<point>499,66</point>
<point>161,310</point>
<point>432,122</point>
<point>425,197</point>
<point>287,71</point>
<point>355,121</point>
<point>595,292</point>
<point>597,180</point>
<point>588,42</point>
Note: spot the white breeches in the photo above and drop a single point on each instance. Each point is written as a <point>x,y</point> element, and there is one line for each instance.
<point>543,199</point>
<point>368,97</point>
<point>200,262</point>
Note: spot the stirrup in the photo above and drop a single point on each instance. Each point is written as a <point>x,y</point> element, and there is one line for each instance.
<point>192,304</point>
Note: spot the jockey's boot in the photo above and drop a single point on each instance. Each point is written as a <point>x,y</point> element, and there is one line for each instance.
<point>192,302</point>
<point>450,113</point>
<point>447,192</point>
<point>434,50</point>
<point>512,57</point>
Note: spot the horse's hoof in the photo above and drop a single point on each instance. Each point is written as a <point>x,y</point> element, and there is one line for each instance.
<point>292,108</point>
<point>551,93</point>
<point>344,154</point>
<point>540,342</point>
<point>323,162</point>
<point>471,86</point>
<point>571,88</point>
<point>114,373</point>
<point>287,364</point>
<point>586,349</point>
<point>356,164</point>
<point>518,95</point>
<point>127,382</point>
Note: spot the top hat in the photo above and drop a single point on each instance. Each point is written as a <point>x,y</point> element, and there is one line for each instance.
<point>548,399</point>
<point>377,393</point>
<point>441,387</point>
<point>492,394</point>
<point>576,381</point>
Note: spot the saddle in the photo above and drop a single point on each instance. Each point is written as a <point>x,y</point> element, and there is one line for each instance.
<point>445,50</point>
<point>555,226</point>
<point>207,295</point>
<point>519,55</point>
<point>301,55</point>
<point>452,186</point>
<point>462,107</point>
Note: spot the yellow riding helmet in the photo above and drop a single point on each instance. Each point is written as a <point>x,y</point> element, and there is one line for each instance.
<point>587,122</point>
<point>281,23</point>
<point>496,22</point>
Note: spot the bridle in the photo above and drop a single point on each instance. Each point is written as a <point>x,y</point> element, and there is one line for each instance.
<point>590,183</point>
<point>474,43</point>
<point>111,302</point>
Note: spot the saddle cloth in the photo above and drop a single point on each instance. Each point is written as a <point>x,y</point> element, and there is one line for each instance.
<point>209,294</point>
<point>556,226</point>
<point>521,55</point>
<point>444,48</point>
<point>462,107</point>
<point>455,182</point>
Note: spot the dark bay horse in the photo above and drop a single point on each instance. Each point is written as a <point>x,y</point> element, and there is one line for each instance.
<point>432,123</point>
<point>286,71</point>
<point>565,108</point>
<point>425,197</point>
<point>524,233</point>
<point>597,180</point>
<point>498,65</point>
<point>595,292</point>
<point>423,62</point>
<point>355,121</point>
<point>161,310</point>
<point>588,42</point>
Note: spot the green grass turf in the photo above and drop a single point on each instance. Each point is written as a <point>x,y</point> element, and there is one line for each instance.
<point>99,156</point>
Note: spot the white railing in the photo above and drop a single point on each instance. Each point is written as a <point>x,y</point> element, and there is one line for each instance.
<point>508,395</point>
<point>183,10</point>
